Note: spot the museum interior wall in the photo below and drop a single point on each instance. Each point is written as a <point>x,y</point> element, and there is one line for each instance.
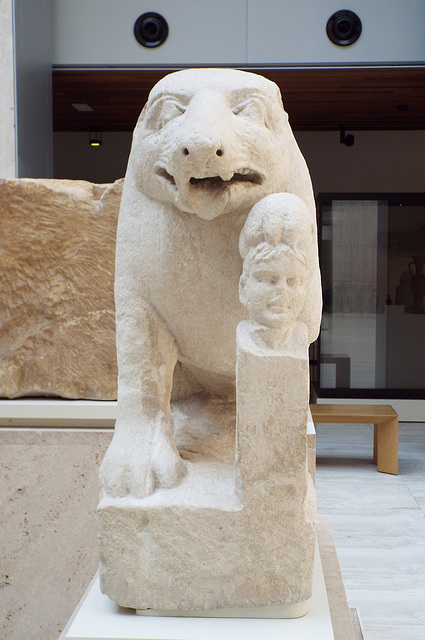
<point>379,161</point>
<point>45,33</point>
<point>33,93</point>
<point>241,32</point>
<point>7,109</point>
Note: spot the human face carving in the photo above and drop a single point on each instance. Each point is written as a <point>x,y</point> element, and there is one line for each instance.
<point>273,290</point>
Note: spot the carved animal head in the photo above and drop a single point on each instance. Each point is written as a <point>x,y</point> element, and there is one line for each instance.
<point>216,141</point>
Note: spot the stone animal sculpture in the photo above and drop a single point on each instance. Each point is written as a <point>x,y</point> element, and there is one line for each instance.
<point>208,146</point>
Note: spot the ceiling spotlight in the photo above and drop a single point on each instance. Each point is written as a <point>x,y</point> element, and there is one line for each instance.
<point>151,29</point>
<point>344,28</point>
<point>346,138</point>
<point>95,138</point>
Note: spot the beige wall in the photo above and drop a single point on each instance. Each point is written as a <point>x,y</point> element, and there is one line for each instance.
<point>383,161</point>
<point>75,159</point>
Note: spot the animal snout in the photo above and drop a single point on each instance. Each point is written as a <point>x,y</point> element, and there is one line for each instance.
<point>201,151</point>
<point>218,152</point>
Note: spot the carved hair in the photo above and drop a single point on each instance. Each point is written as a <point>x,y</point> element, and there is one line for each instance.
<point>266,252</point>
<point>271,230</point>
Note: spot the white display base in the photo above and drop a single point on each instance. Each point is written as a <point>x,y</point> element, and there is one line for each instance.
<point>45,412</point>
<point>276,611</point>
<point>98,414</point>
<point>98,618</point>
<point>51,412</point>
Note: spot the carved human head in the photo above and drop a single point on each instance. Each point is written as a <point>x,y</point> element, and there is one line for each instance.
<point>274,244</point>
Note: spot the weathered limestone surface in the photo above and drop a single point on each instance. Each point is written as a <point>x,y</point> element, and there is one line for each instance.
<point>48,550</point>
<point>193,514</point>
<point>232,533</point>
<point>57,318</point>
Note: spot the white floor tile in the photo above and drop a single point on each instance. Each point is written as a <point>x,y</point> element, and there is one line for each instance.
<point>378,525</point>
<point>393,632</point>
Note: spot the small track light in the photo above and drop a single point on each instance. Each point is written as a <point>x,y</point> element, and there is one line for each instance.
<point>95,138</point>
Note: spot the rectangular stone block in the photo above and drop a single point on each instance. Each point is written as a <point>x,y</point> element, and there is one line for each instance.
<point>57,318</point>
<point>239,530</point>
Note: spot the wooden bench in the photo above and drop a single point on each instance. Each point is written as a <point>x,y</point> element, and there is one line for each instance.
<point>385,433</point>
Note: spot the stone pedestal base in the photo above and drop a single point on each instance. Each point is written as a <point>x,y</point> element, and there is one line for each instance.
<point>239,530</point>
<point>98,618</point>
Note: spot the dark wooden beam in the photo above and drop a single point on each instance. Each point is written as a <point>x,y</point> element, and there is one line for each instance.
<point>365,98</point>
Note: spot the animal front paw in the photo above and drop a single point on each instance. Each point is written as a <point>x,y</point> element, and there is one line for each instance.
<point>136,469</point>
<point>167,466</point>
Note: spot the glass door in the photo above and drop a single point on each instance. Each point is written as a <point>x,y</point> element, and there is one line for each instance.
<point>372,253</point>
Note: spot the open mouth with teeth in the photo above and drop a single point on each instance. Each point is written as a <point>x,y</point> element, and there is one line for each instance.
<point>215,183</point>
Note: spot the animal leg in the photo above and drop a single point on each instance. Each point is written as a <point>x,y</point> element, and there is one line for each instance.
<point>142,454</point>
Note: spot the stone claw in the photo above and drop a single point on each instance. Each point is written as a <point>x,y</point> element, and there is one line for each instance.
<point>139,472</point>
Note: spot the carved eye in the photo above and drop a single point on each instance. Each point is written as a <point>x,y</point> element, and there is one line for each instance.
<point>254,109</point>
<point>170,110</point>
<point>293,282</point>
<point>163,112</point>
<point>267,278</point>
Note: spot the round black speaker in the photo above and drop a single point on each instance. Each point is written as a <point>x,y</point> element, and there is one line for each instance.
<point>344,28</point>
<point>151,29</point>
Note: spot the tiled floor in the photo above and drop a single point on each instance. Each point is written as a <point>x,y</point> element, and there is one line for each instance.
<point>378,522</point>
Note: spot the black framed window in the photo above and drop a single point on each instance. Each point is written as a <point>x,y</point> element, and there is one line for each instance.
<point>372,255</point>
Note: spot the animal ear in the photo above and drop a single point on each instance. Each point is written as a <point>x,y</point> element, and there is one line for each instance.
<point>142,117</point>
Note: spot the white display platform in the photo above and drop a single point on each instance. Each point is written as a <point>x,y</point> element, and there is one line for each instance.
<point>56,412</point>
<point>45,412</point>
<point>98,618</point>
<point>98,414</point>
